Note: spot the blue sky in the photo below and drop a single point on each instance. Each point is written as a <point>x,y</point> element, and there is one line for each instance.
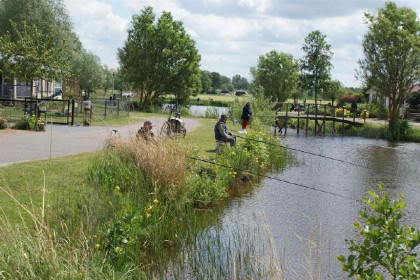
<point>230,35</point>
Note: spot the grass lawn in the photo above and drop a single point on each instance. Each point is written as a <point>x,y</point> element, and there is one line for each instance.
<point>66,176</point>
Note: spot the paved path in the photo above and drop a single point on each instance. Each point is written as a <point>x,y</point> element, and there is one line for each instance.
<point>59,140</point>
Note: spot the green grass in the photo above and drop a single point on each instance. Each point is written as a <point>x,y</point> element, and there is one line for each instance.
<point>107,197</point>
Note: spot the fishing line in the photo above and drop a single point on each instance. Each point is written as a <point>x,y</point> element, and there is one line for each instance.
<point>288,182</point>
<point>274,178</point>
<point>302,151</point>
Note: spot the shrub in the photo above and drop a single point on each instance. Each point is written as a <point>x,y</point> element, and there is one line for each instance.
<point>352,99</point>
<point>399,130</point>
<point>386,245</point>
<point>22,124</point>
<point>339,112</point>
<point>364,114</point>
<point>211,113</point>
<point>3,123</point>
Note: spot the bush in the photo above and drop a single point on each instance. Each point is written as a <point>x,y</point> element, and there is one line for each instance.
<point>352,99</point>
<point>22,124</point>
<point>386,245</point>
<point>339,112</point>
<point>3,123</point>
<point>399,130</point>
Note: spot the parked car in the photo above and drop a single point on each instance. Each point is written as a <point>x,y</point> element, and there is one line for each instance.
<point>127,94</point>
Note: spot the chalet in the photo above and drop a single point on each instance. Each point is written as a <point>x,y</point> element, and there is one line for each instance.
<point>15,89</point>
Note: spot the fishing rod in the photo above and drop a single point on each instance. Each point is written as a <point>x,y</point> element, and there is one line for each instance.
<point>302,151</point>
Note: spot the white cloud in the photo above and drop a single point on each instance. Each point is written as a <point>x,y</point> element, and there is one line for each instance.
<point>100,30</point>
<point>230,35</point>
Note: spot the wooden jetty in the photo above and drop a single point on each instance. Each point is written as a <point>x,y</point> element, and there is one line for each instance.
<point>315,112</point>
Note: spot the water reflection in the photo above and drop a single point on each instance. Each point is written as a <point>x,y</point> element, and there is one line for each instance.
<point>308,227</point>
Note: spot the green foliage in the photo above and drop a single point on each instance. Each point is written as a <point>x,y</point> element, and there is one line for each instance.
<point>339,112</point>
<point>391,54</point>
<point>240,82</point>
<point>206,81</point>
<point>34,55</point>
<point>386,245</point>
<point>159,58</point>
<point>277,73</point>
<point>332,91</point>
<point>399,130</point>
<point>262,112</point>
<point>315,65</point>
<point>3,122</point>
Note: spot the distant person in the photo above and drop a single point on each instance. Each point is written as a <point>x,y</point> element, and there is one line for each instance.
<point>246,115</point>
<point>198,100</point>
<point>221,133</point>
<point>145,131</point>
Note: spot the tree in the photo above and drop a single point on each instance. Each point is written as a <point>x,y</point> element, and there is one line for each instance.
<point>315,65</point>
<point>386,245</point>
<point>88,68</point>
<point>277,73</point>
<point>216,80</point>
<point>31,55</point>
<point>240,82</point>
<point>159,58</point>
<point>391,63</point>
<point>205,81</point>
<point>332,91</point>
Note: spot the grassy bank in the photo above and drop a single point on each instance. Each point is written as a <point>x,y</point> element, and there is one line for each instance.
<point>124,212</point>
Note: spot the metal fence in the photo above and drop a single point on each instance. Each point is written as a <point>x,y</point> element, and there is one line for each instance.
<point>56,110</point>
<point>61,111</point>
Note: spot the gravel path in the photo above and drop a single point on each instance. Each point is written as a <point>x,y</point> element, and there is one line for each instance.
<point>59,140</point>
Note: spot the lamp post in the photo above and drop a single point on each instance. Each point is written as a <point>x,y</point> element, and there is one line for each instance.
<point>113,75</point>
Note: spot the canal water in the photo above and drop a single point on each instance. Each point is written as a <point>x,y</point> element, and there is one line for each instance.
<point>309,227</point>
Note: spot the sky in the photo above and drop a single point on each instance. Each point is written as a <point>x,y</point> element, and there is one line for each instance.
<point>231,34</point>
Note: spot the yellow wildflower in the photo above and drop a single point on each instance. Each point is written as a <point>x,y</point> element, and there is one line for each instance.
<point>148,215</point>
<point>97,246</point>
<point>117,188</point>
<point>118,249</point>
<point>155,201</point>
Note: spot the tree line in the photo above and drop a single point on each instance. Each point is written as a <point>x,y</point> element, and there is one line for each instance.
<point>159,57</point>
<point>37,41</point>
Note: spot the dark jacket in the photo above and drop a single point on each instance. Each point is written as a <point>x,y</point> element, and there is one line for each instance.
<point>246,112</point>
<point>217,134</point>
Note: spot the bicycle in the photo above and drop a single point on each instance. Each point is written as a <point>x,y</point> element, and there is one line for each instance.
<point>174,126</point>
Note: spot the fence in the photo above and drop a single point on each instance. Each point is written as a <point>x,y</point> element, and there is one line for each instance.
<point>56,110</point>
<point>61,111</point>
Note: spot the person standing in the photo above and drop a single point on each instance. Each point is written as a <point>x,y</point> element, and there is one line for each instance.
<point>246,115</point>
<point>221,133</point>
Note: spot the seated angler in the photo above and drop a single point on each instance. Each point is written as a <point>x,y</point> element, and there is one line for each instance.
<point>145,132</point>
<point>221,133</point>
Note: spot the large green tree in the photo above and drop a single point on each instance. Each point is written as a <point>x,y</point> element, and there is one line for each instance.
<point>240,82</point>
<point>277,73</point>
<point>205,77</point>
<point>159,57</point>
<point>316,64</point>
<point>391,63</point>
<point>332,90</point>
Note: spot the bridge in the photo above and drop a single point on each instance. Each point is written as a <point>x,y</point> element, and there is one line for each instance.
<point>319,113</point>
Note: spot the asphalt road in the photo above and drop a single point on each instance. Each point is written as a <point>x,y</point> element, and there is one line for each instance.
<point>61,140</point>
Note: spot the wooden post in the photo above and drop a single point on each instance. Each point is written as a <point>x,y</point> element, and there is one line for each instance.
<point>298,120</point>
<point>307,120</point>
<point>325,113</point>
<point>354,116</point>
<point>285,123</point>
<point>106,102</point>
<point>334,120</point>
<point>118,108</point>
<point>342,124</point>
<point>68,111</point>
<point>72,112</point>
<point>316,118</point>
